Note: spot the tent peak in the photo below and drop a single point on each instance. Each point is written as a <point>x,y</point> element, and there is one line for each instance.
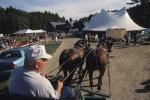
<point>116,19</point>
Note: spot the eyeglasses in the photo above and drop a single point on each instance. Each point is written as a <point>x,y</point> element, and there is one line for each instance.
<point>44,60</point>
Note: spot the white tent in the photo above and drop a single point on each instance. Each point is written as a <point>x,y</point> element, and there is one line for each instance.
<point>23,31</point>
<point>38,31</point>
<point>110,20</point>
<point>1,35</point>
<point>26,31</point>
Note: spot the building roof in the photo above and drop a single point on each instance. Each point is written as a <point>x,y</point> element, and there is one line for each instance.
<point>54,24</point>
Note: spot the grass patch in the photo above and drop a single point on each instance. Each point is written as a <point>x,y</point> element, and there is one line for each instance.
<point>22,39</point>
<point>51,46</point>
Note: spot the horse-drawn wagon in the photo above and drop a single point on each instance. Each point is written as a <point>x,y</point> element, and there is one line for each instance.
<point>67,58</point>
<point>72,60</point>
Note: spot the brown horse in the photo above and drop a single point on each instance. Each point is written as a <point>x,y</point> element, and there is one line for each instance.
<point>97,60</point>
<point>107,42</point>
<point>71,59</point>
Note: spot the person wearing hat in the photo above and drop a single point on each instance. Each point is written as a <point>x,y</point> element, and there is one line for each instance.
<point>27,80</point>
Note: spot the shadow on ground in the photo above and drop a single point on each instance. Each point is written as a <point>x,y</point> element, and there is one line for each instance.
<point>146,87</point>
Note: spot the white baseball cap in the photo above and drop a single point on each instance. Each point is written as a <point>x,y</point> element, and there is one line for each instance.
<point>36,51</point>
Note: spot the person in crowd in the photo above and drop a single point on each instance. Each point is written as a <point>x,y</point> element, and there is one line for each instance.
<point>28,80</point>
<point>96,38</point>
<point>126,39</point>
<point>56,38</point>
<point>86,37</point>
<point>135,39</point>
<point>138,39</point>
<point>89,37</point>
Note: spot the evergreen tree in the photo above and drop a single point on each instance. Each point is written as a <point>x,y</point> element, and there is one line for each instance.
<point>140,13</point>
<point>11,19</point>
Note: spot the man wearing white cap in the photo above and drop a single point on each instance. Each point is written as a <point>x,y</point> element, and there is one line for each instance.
<point>28,81</point>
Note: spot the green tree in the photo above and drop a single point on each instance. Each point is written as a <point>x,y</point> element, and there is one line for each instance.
<point>140,13</point>
<point>11,19</point>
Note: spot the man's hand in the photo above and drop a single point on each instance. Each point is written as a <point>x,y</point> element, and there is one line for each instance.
<point>60,84</point>
<point>59,87</point>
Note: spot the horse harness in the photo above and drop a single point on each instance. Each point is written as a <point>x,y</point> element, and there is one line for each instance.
<point>77,52</point>
<point>74,52</point>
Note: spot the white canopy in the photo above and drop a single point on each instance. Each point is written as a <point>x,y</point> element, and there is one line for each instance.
<point>110,20</point>
<point>38,31</point>
<point>1,35</point>
<point>26,31</point>
<point>23,31</point>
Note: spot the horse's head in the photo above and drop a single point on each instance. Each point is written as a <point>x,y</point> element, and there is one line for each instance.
<point>106,44</point>
<point>102,45</point>
<point>81,46</point>
<point>109,43</point>
<point>80,43</point>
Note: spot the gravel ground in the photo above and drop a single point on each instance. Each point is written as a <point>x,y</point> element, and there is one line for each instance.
<point>129,71</point>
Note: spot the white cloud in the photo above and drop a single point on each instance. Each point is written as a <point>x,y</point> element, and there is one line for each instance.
<point>71,8</point>
<point>81,8</point>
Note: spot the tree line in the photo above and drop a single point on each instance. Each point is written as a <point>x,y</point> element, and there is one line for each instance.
<point>140,12</point>
<point>12,19</point>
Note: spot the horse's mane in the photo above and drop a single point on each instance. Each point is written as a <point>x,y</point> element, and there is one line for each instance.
<point>66,51</point>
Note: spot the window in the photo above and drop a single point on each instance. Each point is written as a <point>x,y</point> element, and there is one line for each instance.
<point>10,54</point>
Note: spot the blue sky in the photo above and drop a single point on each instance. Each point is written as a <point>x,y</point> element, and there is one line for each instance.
<point>67,8</point>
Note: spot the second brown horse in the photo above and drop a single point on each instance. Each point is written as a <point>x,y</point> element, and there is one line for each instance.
<point>97,60</point>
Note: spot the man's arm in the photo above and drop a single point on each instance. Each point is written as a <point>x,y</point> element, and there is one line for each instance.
<point>59,87</point>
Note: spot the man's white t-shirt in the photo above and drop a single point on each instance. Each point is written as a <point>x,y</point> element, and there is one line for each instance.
<point>30,83</point>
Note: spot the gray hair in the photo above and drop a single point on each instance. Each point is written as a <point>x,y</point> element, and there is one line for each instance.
<point>29,63</point>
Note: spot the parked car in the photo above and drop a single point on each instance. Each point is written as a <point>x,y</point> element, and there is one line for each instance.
<point>11,59</point>
<point>144,37</point>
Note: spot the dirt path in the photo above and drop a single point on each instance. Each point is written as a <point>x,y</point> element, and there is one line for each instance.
<point>130,74</point>
<point>129,70</point>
